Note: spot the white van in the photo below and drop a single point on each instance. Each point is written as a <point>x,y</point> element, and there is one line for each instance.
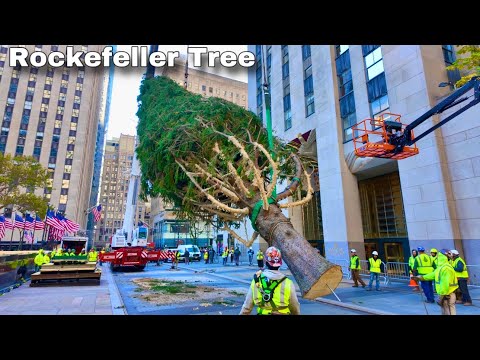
<point>194,252</point>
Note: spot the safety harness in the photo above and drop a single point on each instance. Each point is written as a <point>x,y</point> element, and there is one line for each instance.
<point>266,288</point>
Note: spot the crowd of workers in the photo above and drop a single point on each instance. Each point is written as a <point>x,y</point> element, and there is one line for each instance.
<point>45,257</point>
<point>445,269</point>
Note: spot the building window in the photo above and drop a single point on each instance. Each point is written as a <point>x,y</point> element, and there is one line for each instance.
<point>345,90</point>
<point>376,83</point>
<point>308,91</point>
<point>287,110</point>
<point>449,57</point>
<point>204,88</point>
<point>306,52</point>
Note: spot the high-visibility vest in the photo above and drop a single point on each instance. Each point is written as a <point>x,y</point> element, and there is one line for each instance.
<point>92,256</point>
<point>445,280</point>
<point>281,298</point>
<point>225,254</point>
<point>46,259</point>
<point>259,256</point>
<point>375,265</point>
<point>205,255</point>
<point>38,259</point>
<point>353,263</point>
<point>411,262</point>
<point>464,273</point>
<point>424,264</point>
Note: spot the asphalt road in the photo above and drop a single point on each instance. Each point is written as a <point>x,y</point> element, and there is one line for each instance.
<point>234,279</point>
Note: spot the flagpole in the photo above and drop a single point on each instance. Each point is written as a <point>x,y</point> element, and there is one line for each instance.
<point>22,235</point>
<point>13,229</point>
<point>34,228</point>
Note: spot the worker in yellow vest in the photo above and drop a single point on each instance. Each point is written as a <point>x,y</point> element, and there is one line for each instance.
<point>270,290</point>
<point>461,271</point>
<point>424,265</point>
<point>38,260</point>
<point>225,256</point>
<point>433,255</point>
<point>411,262</point>
<point>92,255</point>
<point>355,269</point>
<point>46,258</point>
<point>101,254</point>
<point>260,259</point>
<point>205,256</point>
<point>445,283</point>
<point>374,266</point>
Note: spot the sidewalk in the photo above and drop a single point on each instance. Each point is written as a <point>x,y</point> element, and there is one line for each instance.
<point>102,299</point>
<point>395,299</point>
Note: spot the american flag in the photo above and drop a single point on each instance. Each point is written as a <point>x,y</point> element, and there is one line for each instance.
<point>28,237</point>
<point>71,226</point>
<point>29,222</point>
<point>2,227</point>
<point>8,224</point>
<point>53,221</point>
<point>19,222</point>
<point>39,224</point>
<point>97,212</point>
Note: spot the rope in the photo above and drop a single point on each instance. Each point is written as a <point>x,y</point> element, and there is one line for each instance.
<point>256,211</point>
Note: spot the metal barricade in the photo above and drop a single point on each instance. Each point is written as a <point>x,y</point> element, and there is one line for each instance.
<point>397,271</point>
<point>344,265</point>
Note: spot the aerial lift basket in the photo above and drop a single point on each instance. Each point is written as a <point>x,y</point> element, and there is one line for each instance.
<point>376,138</point>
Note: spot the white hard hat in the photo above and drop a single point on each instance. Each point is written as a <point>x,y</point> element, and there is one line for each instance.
<point>251,248</point>
<point>353,251</point>
<point>454,252</point>
<point>374,253</point>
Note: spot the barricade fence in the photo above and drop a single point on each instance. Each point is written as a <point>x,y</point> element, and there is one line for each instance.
<point>398,271</point>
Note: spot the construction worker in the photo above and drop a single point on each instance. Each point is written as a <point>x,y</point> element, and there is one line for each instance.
<point>231,254</point>
<point>53,253</point>
<point>101,254</point>
<point>461,271</point>
<point>46,258</point>
<point>177,259</point>
<point>205,256</point>
<point>423,265</point>
<point>445,283</point>
<point>433,255</point>
<point>260,259</point>
<point>38,260</point>
<point>374,267</point>
<point>411,262</point>
<point>71,252</point>
<point>225,256</point>
<point>270,290</point>
<point>355,269</point>
<point>92,255</point>
<point>250,253</point>
<point>59,252</point>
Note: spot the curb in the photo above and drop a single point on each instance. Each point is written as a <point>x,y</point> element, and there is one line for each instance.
<point>118,307</point>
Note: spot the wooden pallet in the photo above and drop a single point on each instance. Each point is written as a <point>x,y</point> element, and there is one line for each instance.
<point>62,277</point>
<point>67,267</point>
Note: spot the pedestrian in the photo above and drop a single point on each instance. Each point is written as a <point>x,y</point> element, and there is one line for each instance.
<point>250,253</point>
<point>177,258</point>
<point>231,254</point>
<point>433,255</point>
<point>355,269</point>
<point>461,271</point>
<point>186,256</point>
<point>237,254</point>
<point>205,256</point>
<point>270,290</point>
<point>424,265</point>
<point>411,262</point>
<point>225,256</point>
<point>445,283</point>
<point>374,267</point>
<point>260,259</point>
<point>211,255</point>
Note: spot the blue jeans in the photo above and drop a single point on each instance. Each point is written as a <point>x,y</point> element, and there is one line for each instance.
<point>375,276</point>
<point>427,287</point>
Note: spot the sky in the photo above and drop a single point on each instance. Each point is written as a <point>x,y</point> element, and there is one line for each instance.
<point>123,106</point>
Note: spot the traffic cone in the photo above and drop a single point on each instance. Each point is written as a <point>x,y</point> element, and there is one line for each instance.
<point>414,284</point>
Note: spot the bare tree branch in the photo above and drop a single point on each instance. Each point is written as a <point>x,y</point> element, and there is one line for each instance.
<point>306,199</point>
<point>239,238</point>
<point>290,189</point>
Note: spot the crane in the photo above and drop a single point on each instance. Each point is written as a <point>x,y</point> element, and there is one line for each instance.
<point>396,140</point>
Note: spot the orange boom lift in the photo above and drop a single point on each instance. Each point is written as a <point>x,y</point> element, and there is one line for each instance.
<point>386,137</point>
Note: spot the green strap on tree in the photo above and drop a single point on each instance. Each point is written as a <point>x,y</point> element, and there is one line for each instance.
<point>256,211</point>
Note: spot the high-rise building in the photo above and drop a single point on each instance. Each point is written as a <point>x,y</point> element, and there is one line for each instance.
<point>117,167</point>
<point>168,230</point>
<point>102,129</point>
<point>391,206</point>
<point>52,114</point>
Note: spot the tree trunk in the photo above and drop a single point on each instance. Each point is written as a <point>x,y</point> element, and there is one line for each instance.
<point>315,275</point>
